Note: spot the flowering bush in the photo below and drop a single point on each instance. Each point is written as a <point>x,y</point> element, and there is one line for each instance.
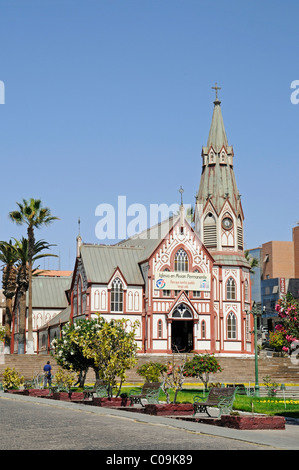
<point>287,331</point>
<point>12,379</point>
<point>202,365</point>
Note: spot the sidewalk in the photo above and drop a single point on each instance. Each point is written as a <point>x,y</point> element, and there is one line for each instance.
<point>287,439</point>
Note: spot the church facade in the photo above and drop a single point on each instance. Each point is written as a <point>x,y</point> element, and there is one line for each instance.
<point>188,287</point>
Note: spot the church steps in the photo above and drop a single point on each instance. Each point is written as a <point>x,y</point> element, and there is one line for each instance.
<point>235,370</point>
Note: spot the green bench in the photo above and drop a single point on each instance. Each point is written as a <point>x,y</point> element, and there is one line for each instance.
<point>150,392</point>
<point>221,398</point>
<point>99,389</point>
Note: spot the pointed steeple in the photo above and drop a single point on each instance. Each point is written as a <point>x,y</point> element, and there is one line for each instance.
<point>219,215</point>
<point>217,135</point>
<point>218,180</point>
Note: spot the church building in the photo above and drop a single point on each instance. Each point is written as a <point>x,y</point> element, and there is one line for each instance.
<point>189,288</point>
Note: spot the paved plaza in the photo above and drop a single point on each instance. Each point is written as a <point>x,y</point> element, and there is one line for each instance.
<point>29,423</point>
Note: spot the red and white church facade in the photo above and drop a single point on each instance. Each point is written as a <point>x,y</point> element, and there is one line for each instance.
<point>188,287</point>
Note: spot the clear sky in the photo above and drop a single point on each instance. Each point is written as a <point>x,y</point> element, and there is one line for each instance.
<point>108,98</point>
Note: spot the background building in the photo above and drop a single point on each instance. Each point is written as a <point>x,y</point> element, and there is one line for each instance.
<point>276,274</point>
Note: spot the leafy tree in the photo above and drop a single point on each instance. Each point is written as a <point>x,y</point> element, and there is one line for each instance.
<point>68,352</point>
<point>107,347</point>
<point>22,266</point>
<point>34,215</point>
<point>113,351</point>
<point>201,366</point>
<point>254,262</point>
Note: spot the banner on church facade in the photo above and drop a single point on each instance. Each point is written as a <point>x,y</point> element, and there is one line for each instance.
<point>168,280</point>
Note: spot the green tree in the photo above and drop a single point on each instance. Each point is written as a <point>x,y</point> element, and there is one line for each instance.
<point>254,262</point>
<point>67,350</point>
<point>108,347</point>
<point>8,256</point>
<point>113,351</point>
<point>23,271</point>
<point>34,215</point>
<point>201,366</point>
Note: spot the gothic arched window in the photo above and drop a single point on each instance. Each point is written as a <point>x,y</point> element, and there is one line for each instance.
<point>181,261</point>
<point>203,329</point>
<point>117,296</point>
<point>231,326</point>
<point>231,289</point>
<point>159,328</point>
<point>246,291</point>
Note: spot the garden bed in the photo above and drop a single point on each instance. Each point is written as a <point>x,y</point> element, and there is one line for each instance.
<point>170,409</point>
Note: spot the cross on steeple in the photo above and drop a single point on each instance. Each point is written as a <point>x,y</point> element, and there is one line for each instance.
<point>181,191</point>
<point>216,88</point>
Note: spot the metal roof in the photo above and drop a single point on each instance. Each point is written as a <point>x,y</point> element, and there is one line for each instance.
<point>49,292</point>
<point>100,261</point>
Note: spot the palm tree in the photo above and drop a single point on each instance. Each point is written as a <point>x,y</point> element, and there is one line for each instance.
<point>254,262</point>
<point>8,256</point>
<point>34,215</point>
<point>23,276</point>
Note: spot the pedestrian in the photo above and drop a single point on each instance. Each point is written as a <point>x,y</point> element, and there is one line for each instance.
<point>47,375</point>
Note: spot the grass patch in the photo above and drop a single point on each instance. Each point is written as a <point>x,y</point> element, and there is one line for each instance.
<point>270,406</point>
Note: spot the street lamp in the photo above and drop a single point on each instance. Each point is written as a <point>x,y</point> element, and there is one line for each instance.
<point>254,312</point>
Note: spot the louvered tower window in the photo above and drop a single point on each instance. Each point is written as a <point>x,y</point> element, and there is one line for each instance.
<point>210,231</point>
<point>240,234</point>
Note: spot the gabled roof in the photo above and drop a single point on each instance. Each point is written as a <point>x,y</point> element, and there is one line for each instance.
<point>101,261</point>
<point>49,292</point>
<point>149,239</point>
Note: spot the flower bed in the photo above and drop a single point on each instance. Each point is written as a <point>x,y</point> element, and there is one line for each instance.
<point>173,409</point>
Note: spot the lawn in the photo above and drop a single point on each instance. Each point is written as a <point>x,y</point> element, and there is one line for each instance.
<point>270,406</point>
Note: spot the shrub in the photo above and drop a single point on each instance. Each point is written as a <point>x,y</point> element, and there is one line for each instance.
<point>151,371</point>
<point>12,379</point>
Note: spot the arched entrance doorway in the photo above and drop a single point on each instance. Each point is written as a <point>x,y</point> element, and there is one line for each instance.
<point>182,329</point>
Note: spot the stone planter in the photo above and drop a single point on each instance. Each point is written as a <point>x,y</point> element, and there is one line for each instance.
<point>171,409</point>
<point>252,422</point>
<point>109,402</point>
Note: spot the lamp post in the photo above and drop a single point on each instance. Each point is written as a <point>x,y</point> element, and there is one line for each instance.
<point>254,312</point>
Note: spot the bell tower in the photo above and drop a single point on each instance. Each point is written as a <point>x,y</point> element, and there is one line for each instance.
<point>218,212</point>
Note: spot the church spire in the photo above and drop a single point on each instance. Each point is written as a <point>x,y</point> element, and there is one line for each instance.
<point>217,135</point>
<point>219,214</point>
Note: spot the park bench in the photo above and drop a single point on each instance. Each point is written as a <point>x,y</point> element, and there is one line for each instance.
<point>99,389</point>
<point>150,392</point>
<point>221,398</point>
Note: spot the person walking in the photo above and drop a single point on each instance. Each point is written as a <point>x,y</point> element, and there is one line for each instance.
<point>47,375</point>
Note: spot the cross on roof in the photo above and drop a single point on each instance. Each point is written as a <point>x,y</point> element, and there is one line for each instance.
<point>216,88</point>
<point>181,191</point>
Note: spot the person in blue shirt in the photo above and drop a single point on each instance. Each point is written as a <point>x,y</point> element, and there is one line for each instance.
<point>48,375</point>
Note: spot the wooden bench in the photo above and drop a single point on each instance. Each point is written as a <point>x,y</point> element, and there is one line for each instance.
<point>150,392</point>
<point>221,398</point>
<point>99,389</point>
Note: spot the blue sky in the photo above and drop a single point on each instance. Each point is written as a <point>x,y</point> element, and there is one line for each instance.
<point>113,97</point>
